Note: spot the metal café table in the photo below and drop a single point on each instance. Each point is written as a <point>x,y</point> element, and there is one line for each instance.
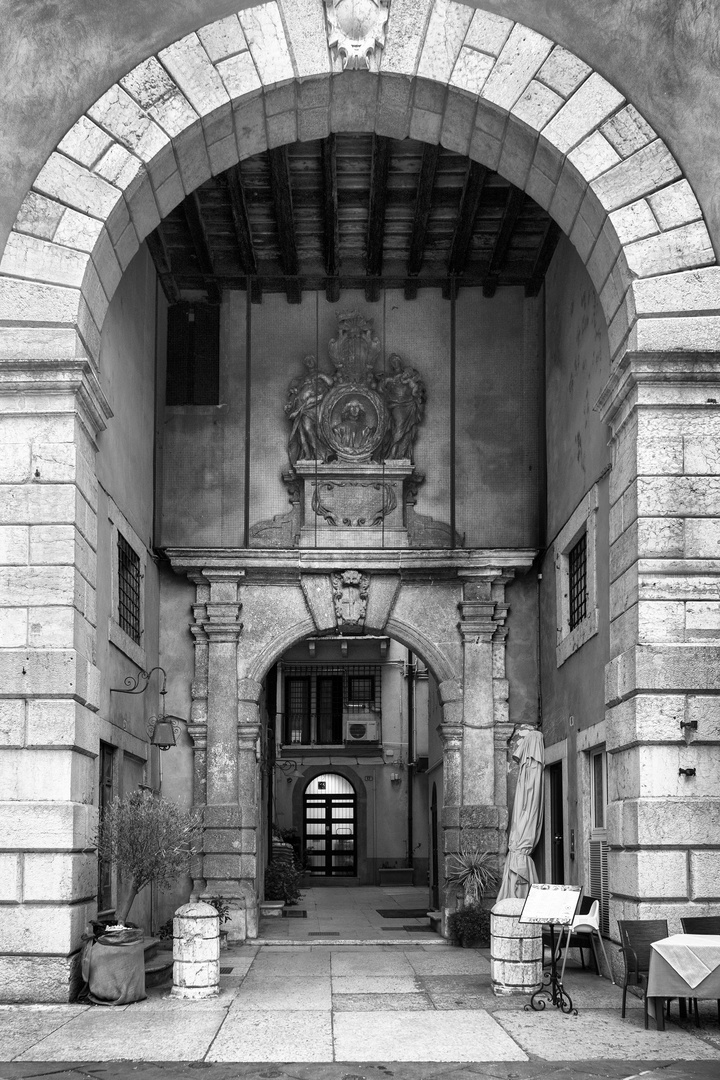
<point>683,966</point>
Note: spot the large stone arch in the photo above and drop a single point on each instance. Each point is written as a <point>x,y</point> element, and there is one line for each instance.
<point>510,98</point>
<point>483,86</point>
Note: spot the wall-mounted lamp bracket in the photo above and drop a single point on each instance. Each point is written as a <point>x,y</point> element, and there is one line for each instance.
<point>686,772</point>
<point>691,724</point>
<point>162,730</point>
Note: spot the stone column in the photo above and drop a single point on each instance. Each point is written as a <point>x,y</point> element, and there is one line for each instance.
<point>248,735</point>
<point>663,678</point>
<point>483,611</point>
<point>218,623</point>
<point>451,733</point>
<point>50,413</point>
<point>197,728</point>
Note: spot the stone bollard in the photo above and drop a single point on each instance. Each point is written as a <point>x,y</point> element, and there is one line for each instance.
<point>196,951</point>
<point>516,950</point>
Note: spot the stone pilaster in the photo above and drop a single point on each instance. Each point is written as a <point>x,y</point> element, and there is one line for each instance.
<point>664,672</point>
<point>483,816</point>
<point>50,414</point>
<point>214,729</point>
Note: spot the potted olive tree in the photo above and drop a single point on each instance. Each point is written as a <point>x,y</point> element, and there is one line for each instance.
<point>474,872</point>
<point>147,839</point>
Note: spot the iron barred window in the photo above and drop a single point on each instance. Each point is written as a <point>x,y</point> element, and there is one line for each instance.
<point>129,590</point>
<point>577,580</point>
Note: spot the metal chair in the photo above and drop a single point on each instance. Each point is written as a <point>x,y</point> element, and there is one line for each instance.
<point>701,924</point>
<point>581,934</point>
<point>636,938</point>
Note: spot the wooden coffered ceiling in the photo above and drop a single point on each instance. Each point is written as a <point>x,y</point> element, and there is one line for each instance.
<point>353,211</point>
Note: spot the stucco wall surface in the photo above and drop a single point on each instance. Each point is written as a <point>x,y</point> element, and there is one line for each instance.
<point>57,59</point>
<point>498,373</point>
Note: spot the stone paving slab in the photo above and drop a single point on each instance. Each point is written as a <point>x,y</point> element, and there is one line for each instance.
<point>381,1002</point>
<point>373,984</point>
<point>558,1037</point>
<point>21,1028</point>
<point>452,962</point>
<point>130,1033</point>
<point>305,962</point>
<point>427,1036</point>
<point>283,992</point>
<point>354,965</point>
<point>275,1036</point>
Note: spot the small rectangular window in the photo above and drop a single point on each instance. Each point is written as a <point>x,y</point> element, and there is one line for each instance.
<point>361,689</point>
<point>129,579</point>
<point>577,581</point>
<point>193,355</point>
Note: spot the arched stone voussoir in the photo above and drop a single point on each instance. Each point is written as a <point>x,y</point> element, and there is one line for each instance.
<point>476,82</point>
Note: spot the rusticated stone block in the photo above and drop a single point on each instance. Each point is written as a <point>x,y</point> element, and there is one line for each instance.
<point>649,874</point>
<point>222,817</point>
<point>450,817</point>
<point>705,875</point>
<point>40,980</point>
<point>479,817</point>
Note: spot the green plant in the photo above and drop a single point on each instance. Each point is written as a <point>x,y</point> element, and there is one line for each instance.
<point>147,839</point>
<point>475,871</point>
<point>470,925</point>
<point>165,932</point>
<point>282,881</point>
<point>222,907</point>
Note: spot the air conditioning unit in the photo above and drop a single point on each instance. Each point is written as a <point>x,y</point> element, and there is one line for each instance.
<point>362,731</point>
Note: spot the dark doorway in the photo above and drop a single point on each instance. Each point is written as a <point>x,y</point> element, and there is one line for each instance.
<point>434,876</point>
<point>329,827</point>
<point>557,839</point>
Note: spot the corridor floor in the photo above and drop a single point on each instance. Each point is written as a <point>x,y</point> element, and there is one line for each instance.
<point>355,914</point>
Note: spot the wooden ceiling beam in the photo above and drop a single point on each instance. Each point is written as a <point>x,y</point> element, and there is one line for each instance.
<point>159,255</point>
<point>196,226</point>
<point>243,234</point>
<point>513,206</point>
<point>284,219</point>
<point>379,169</point>
<point>331,231</point>
<point>423,205</point>
<point>470,200</point>
<point>544,257</point>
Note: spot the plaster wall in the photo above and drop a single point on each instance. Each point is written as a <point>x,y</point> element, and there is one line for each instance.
<point>573,695</point>
<point>125,468</point>
<point>498,371</point>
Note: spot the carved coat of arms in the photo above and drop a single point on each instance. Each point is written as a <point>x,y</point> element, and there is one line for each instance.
<point>356,31</point>
<point>358,413</point>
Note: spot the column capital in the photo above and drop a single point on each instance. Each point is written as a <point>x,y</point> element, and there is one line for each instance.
<point>482,621</point>
<point>451,735</point>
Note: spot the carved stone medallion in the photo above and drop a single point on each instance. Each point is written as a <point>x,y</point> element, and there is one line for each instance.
<point>356,31</point>
<point>353,421</point>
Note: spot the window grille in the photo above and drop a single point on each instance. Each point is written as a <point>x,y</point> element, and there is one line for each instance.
<point>577,581</point>
<point>129,590</point>
<point>316,695</point>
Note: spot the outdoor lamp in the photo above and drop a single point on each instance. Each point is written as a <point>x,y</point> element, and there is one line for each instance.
<point>162,730</point>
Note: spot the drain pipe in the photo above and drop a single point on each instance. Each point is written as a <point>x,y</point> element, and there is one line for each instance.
<point>411,753</point>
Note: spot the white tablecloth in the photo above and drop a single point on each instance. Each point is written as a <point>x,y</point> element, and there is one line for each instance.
<point>693,956</point>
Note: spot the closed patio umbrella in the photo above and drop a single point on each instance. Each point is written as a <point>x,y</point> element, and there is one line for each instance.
<point>527,816</point>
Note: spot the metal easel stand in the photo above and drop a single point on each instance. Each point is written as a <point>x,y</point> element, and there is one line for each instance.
<point>552,989</point>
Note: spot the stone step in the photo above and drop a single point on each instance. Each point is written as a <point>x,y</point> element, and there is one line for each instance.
<point>151,947</point>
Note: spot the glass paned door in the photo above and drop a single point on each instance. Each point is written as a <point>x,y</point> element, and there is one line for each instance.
<point>330,828</point>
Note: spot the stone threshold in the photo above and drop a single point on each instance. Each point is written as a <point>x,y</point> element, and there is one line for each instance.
<point>334,942</point>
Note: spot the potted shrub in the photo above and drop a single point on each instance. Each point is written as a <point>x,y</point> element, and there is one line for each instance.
<point>470,926</point>
<point>282,881</point>
<point>148,839</point>
<point>222,907</point>
<point>475,873</point>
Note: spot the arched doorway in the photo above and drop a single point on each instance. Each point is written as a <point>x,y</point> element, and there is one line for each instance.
<point>330,827</point>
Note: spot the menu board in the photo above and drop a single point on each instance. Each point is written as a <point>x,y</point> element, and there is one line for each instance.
<point>554,904</point>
